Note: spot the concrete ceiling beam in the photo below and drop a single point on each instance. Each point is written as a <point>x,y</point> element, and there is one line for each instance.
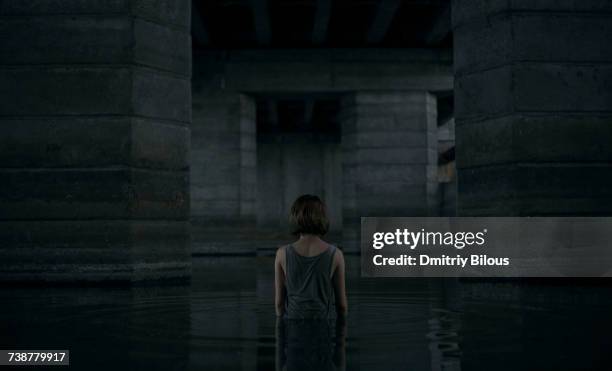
<point>382,20</point>
<point>261,20</point>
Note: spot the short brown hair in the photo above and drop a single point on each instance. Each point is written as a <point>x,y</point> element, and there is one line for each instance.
<point>308,216</point>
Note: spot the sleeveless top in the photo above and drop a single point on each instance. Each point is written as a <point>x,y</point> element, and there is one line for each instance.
<point>310,293</point>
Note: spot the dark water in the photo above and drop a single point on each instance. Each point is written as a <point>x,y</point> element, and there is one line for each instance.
<point>225,320</point>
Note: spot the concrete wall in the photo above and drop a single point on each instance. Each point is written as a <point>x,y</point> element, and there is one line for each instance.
<point>533,89</point>
<point>223,157</point>
<point>94,140</point>
<point>331,70</point>
<point>390,157</point>
<point>289,165</point>
<point>447,171</point>
<point>223,151</point>
<point>223,144</point>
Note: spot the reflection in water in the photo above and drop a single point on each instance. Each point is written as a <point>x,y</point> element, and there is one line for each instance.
<point>443,341</point>
<point>310,344</point>
<point>225,320</point>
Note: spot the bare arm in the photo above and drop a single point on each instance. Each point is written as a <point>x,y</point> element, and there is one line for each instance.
<point>280,291</point>
<point>339,285</point>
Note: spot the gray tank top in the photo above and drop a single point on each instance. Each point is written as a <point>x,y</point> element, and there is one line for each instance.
<point>310,293</point>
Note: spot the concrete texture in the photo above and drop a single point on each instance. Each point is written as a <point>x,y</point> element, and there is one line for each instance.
<point>223,157</point>
<point>290,165</point>
<point>223,164</point>
<point>330,70</point>
<point>390,157</point>
<point>533,113</point>
<point>94,140</point>
<point>447,172</point>
<point>228,195</point>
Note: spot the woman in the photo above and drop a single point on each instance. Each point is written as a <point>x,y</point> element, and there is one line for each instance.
<point>309,273</point>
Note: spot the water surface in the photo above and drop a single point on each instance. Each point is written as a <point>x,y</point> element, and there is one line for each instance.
<point>224,320</point>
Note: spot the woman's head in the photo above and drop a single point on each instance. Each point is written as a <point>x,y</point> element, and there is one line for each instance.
<point>308,216</point>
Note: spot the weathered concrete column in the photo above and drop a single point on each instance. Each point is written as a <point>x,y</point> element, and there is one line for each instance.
<point>533,105</point>
<point>223,160</point>
<point>94,138</point>
<point>389,154</point>
<point>293,164</point>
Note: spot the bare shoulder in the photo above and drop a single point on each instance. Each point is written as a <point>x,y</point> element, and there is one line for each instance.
<point>280,255</point>
<point>339,256</point>
<point>279,260</point>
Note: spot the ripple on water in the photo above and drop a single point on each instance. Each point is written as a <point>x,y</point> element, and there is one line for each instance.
<point>226,318</point>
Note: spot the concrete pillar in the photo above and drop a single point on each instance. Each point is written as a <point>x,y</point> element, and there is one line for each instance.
<point>533,104</point>
<point>292,164</point>
<point>223,171</point>
<point>94,138</point>
<point>223,161</point>
<point>389,144</point>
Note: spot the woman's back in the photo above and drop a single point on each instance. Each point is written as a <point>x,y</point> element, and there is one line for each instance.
<point>310,291</point>
<point>309,274</point>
